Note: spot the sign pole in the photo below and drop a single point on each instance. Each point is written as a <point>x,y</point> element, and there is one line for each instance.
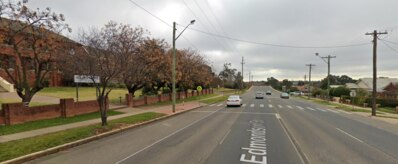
<point>77,92</point>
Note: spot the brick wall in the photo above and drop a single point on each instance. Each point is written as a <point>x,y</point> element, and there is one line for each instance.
<point>14,113</point>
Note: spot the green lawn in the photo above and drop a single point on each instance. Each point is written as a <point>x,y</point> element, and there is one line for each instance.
<point>388,110</point>
<point>4,130</point>
<point>14,149</point>
<point>85,93</point>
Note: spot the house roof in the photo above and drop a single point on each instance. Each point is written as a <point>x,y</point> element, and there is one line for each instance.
<point>382,82</point>
<point>352,86</point>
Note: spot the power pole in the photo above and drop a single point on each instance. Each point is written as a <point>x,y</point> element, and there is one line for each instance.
<point>243,62</point>
<point>309,79</point>
<point>327,62</point>
<point>374,33</point>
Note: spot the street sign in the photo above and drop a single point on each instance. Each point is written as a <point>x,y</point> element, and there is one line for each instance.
<point>199,88</point>
<point>353,93</point>
<point>86,79</point>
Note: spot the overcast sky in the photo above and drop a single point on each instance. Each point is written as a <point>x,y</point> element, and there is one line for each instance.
<point>298,23</point>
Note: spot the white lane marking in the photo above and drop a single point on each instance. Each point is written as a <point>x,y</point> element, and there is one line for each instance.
<point>225,136</point>
<point>278,116</point>
<point>332,110</point>
<point>252,105</point>
<point>299,107</point>
<point>160,140</point>
<point>270,106</point>
<point>344,112</point>
<point>342,131</point>
<point>220,104</point>
<point>243,105</point>
<point>212,104</point>
<point>323,110</point>
<point>280,106</point>
<point>262,105</point>
<point>310,108</point>
<point>289,106</point>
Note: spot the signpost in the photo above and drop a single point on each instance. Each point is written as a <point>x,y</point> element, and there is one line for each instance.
<point>84,79</point>
<point>353,94</point>
<point>199,89</point>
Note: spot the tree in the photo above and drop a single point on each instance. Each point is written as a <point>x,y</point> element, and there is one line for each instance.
<point>228,76</point>
<point>274,83</point>
<point>339,91</point>
<point>34,38</point>
<point>127,43</point>
<point>98,57</point>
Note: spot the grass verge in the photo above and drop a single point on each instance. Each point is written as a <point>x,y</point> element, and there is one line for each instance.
<point>33,125</point>
<point>215,100</point>
<point>14,149</point>
<point>339,106</point>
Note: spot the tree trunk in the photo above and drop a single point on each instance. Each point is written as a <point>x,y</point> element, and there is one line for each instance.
<point>103,109</point>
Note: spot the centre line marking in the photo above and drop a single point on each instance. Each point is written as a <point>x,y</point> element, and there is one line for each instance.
<point>225,136</point>
<point>342,131</point>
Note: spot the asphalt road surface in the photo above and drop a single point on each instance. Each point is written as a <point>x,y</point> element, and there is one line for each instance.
<point>270,130</point>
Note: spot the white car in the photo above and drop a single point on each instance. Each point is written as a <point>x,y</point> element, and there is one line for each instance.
<point>260,95</point>
<point>234,100</point>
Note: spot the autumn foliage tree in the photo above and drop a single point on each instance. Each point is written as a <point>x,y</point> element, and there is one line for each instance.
<point>32,37</point>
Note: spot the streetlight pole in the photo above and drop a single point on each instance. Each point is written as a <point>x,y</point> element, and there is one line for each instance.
<point>174,62</point>
<point>327,62</point>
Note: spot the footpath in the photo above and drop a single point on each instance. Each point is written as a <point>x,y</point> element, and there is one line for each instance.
<point>166,109</point>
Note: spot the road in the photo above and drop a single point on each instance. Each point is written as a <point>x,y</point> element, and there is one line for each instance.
<point>270,130</point>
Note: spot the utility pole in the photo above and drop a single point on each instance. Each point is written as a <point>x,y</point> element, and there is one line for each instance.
<point>374,33</point>
<point>243,62</point>
<point>327,62</point>
<point>309,79</point>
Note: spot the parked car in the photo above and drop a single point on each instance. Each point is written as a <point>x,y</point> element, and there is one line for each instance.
<point>260,95</point>
<point>284,95</point>
<point>268,93</point>
<point>234,100</point>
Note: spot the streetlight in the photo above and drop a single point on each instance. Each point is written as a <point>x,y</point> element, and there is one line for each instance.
<point>327,62</point>
<point>174,61</point>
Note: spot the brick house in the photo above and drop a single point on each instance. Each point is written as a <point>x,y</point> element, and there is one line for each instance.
<point>390,91</point>
<point>9,60</point>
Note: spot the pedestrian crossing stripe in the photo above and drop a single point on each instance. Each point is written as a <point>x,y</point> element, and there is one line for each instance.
<point>243,105</point>
<point>220,104</point>
<point>262,105</point>
<point>299,107</point>
<point>289,106</point>
<point>212,104</point>
<point>332,111</point>
<point>310,108</point>
<point>270,106</point>
<point>280,106</point>
<point>323,110</point>
<point>252,105</point>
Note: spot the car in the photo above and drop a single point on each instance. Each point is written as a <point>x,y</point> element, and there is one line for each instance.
<point>234,100</point>
<point>268,93</point>
<point>284,95</point>
<point>260,95</point>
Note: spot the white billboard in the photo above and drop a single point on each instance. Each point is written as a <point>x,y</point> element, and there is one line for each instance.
<point>86,79</point>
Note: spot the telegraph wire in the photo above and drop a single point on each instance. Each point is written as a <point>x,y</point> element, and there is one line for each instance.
<point>251,42</point>
<point>393,49</point>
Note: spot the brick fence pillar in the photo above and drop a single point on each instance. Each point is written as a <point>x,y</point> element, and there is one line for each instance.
<point>67,105</point>
<point>146,100</point>
<point>129,100</point>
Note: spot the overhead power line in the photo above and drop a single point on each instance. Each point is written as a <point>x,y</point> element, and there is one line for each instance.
<point>248,41</point>
<point>393,49</point>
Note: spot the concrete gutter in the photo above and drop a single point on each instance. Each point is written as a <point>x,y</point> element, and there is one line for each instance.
<point>66,146</point>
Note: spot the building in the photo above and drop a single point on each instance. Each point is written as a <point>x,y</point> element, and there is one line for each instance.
<point>10,62</point>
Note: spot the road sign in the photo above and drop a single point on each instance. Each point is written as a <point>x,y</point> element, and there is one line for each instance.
<point>353,93</point>
<point>199,88</point>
